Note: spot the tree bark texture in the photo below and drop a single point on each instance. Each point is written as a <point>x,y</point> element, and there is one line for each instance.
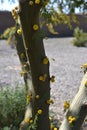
<point>78,108</point>
<point>26,73</point>
<point>33,43</point>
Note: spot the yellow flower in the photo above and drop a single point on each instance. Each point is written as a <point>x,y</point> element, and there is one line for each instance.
<point>39,111</point>
<point>66,105</point>
<point>86,83</point>
<point>52,79</point>
<point>28,98</point>
<point>50,118</point>
<point>42,77</point>
<point>31,2</point>
<point>51,126</point>
<point>15,17</point>
<point>37,96</point>
<point>50,101</point>
<point>55,128</point>
<point>35,27</point>
<point>27,120</point>
<point>22,55</point>
<point>84,65</point>
<point>31,121</point>
<point>45,60</point>
<point>19,31</point>
<point>23,73</point>
<point>71,119</point>
<point>37,1</point>
<point>13,12</point>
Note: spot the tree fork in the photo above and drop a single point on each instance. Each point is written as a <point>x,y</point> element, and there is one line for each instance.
<point>33,41</point>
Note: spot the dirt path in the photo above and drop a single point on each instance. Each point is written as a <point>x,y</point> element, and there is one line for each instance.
<point>65,62</point>
<point>9,66</point>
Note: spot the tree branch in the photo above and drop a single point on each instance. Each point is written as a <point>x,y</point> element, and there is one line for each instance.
<point>78,110</point>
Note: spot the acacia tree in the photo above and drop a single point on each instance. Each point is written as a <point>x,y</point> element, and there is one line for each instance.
<point>35,66</point>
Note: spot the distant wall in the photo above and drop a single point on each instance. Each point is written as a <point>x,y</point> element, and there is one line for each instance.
<point>6,20</point>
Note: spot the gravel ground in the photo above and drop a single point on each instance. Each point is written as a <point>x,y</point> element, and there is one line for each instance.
<point>65,61</point>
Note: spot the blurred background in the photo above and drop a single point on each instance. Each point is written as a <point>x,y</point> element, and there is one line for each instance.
<point>6,19</point>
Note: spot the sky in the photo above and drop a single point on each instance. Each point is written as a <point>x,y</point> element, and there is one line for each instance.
<point>7,5</point>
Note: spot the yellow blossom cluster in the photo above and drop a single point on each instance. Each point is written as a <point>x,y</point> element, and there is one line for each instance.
<point>52,79</point>
<point>84,65</point>
<point>40,111</point>
<point>19,31</point>
<point>86,84</point>
<point>14,14</point>
<point>51,126</point>
<point>22,55</point>
<point>31,121</point>
<point>66,105</point>
<point>43,77</point>
<point>50,118</point>
<point>37,96</point>
<point>55,128</point>
<point>29,98</point>
<point>37,1</point>
<point>35,27</point>
<point>28,120</point>
<point>45,60</point>
<point>50,101</point>
<point>23,73</point>
<point>31,2</point>
<point>71,119</point>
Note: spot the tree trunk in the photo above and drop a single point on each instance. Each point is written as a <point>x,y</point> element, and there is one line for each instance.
<point>33,42</point>
<point>26,73</point>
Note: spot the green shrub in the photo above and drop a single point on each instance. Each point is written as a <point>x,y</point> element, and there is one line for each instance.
<point>80,38</point>
<point>12,107</point>
<point>78,32</point>
<point>5,35</point>
<point>9,35</point>
<point>9,32</point>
